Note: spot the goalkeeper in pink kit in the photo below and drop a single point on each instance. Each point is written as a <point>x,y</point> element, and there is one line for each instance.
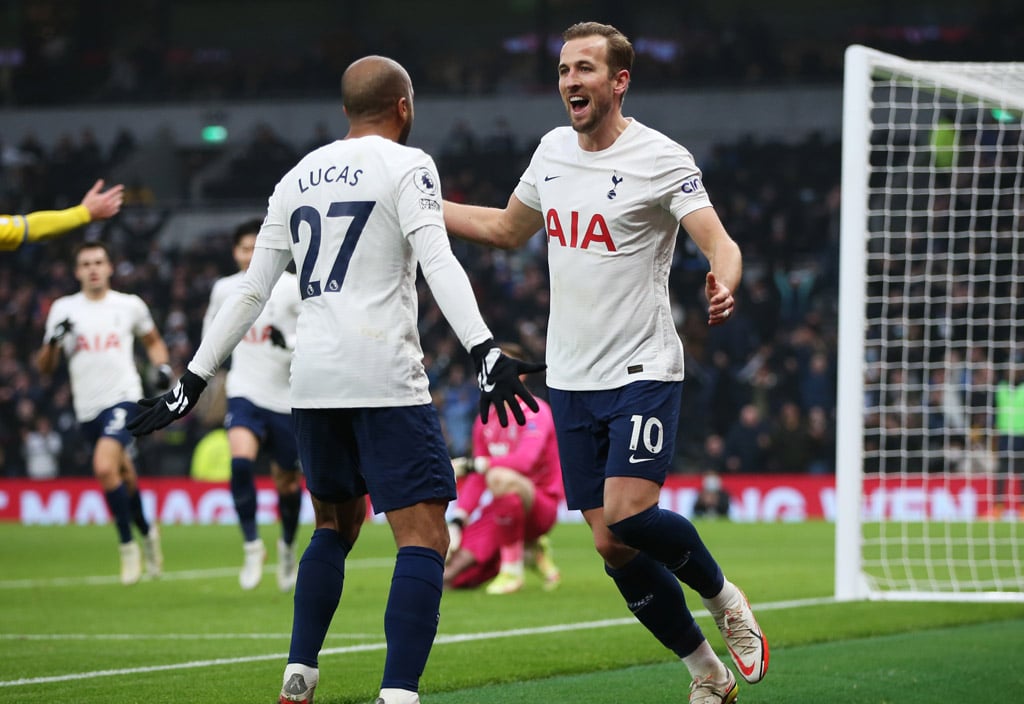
<point>520,467</point>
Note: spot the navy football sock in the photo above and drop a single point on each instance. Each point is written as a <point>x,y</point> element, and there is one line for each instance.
<point>138,516</point>
<point>672,540</point>
<point>656,599</point>
<point>317,593</point>
<point>288,506</point>
<point>243,491</point>
<point>121,511</point>
<point>411,616</point>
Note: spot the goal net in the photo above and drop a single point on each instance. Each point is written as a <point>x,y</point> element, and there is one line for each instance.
<point>930,416</point>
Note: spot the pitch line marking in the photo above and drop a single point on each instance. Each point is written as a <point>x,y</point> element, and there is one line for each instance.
<point>369,647</point>
<point>170,636</point>
<point>181,575</point>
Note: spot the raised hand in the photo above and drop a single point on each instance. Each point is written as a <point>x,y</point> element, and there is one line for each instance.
<point>103,204</point>
<point>500,385</point>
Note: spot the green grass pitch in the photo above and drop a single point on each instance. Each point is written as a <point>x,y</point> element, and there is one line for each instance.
<point>69,632</point>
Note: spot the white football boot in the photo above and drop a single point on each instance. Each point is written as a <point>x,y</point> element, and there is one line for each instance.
<point>252,568</point>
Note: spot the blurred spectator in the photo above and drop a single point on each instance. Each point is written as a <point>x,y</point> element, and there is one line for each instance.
<point>713,500</point>
<point>747,442</point>
<point>458,409</point>
<point>42,450</point>
<point>791,446</point>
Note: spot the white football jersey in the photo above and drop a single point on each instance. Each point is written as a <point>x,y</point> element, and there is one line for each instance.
<point>101,348</point>
<point>345,211</point>
<point>611,219</point>
<point>259,369</point>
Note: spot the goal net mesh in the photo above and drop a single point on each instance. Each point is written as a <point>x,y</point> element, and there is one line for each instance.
<point>941,510</point>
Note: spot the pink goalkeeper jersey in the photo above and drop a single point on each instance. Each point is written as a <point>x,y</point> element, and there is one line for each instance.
<point>531,450</point>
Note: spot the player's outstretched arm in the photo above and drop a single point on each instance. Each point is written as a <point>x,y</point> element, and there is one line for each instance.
<point>500,385</point>
<point>506,228</point>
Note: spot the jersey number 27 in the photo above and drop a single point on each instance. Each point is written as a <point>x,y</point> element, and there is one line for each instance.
<point>359,211</point>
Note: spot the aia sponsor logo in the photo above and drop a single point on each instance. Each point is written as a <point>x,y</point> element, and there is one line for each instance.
<point>578,236</point>
<point>97,343</point>
<point>257,335</point>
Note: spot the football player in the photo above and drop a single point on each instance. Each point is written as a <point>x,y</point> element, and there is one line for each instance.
<point>259,413</point>
<point>611,194</point>
<point>96,329</point>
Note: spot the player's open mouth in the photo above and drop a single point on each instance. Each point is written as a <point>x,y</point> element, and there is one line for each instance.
<point>578,104</point>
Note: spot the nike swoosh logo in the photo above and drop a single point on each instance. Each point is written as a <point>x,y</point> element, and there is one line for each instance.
<point>636,460</point>
<point>747,671</point>
<point>551,178</point>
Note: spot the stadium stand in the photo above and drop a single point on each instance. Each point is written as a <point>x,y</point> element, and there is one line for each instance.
<point>779,198</point>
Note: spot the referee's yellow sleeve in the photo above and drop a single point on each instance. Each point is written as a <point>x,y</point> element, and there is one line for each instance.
<point>15,230</point>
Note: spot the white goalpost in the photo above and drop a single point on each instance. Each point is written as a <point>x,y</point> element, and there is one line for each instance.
<point>929,484</point>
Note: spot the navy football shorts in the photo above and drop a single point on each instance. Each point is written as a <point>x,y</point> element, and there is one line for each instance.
<point>111,423</point>
<point>396,454</point>
<point>273,429</point>
<point>625,432</point>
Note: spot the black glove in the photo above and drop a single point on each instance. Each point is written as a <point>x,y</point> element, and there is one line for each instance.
<point>162,377</point>
<point>277,338</point>
<point>62,330</point>
<point>498,376</point>
<point>162,410</point>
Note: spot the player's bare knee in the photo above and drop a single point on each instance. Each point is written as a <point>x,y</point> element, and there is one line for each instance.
<point>107,473</point>
<point>286,482</point>
<point>611,549</point>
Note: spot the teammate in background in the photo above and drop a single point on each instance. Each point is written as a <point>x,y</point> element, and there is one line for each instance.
<point>611,194</point>
<point>16,230</point>
<point>358,215</point>
<point>519,465</point>
<point>259,413</point>
<point>96,330</point>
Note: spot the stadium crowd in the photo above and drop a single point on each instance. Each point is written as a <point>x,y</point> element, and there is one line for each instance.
<point>759,392</point>
<point>159,51</point>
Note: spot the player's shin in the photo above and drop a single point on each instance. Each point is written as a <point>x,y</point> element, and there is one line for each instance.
<point>672,540</point>
<point>411,616</point>
<point>318,590</point>
<point>654,596</point>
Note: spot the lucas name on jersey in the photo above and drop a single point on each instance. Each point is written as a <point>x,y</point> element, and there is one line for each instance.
<point>332,174</point>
